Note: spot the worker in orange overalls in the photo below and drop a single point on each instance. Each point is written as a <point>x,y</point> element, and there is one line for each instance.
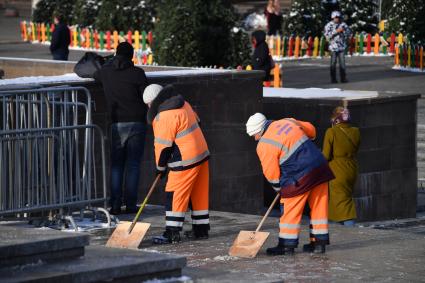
<point>181,147</point>
<point>298,171</point>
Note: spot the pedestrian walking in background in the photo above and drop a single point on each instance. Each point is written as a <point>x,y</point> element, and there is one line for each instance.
<point>123,85</point>
<point>340,147</point>
<point>274,17</point>
<point>180,146</point>
<point>261,59</point>
<point>337,34</point>
<point>297,170</point>
<point>61,39</point>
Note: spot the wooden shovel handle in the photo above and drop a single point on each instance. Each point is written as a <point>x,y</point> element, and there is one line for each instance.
<point>136,218</point>
<point>268,212</point>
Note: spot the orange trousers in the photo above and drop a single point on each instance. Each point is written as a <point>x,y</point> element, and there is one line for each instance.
<point>290,221</point>
<point>184,188</point>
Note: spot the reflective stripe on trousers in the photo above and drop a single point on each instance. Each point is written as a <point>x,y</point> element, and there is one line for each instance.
<point>174,219</point>
<point>190,185</point>
<point>200,217</point>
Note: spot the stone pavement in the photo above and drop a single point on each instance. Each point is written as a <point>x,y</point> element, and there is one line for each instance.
<point>378,252</point>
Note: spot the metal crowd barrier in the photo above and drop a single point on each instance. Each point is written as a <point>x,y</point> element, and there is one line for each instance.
<point>49,158</point>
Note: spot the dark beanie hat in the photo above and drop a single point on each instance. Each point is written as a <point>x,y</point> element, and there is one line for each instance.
<point>125,49</point>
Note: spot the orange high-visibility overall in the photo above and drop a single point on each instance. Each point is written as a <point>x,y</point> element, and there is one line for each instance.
<point>181,146</point>
<point>294,166</point>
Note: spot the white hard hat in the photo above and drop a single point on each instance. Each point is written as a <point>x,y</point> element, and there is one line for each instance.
<point>255,124</point>
<point>151,92</point>
<point>336,14</point>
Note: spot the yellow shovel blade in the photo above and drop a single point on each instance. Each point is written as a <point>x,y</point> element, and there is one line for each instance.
<point>122,239</point>
<point>248,243</point>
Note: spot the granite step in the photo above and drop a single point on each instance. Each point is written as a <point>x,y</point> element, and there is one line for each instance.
<point>21,244</point>
<point>99,264</point>
<point>29,254</point>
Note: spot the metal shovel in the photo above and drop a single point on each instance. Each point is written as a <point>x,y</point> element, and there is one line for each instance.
<point>248,243</point>
<point>130,234</point>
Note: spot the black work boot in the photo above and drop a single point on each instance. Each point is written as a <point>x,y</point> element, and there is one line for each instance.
<point>280,250</point>
<point>314,248</point>
<point>198,232</point>
<point>168,237</point>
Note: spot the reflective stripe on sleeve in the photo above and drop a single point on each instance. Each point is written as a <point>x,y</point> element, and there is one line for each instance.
<point>190,161</point>
<point>272,142</point>
<point>277,189</point>
<point>161,168</point>
<point>187,131</point>
<point>293,149</point>
<point>163,141</point>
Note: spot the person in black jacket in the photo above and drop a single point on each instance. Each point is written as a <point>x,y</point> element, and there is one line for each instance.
<point>123,84</point>
<point>60,39</point>
<point>261,59</point>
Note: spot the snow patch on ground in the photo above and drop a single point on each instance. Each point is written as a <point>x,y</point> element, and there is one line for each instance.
<point>225,258</point>
<point>308,93</point>
<point>408,69</point>
<point>87,225</point>
<point>182,279</point>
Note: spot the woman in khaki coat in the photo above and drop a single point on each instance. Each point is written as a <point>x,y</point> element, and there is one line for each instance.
<point>340,147</point>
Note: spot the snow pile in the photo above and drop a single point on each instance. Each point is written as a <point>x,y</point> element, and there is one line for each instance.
<point>255,21</point>
<point>311,93</point>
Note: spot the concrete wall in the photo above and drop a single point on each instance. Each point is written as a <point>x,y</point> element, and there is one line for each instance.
<point>224,101</point>
<point>387,184</point>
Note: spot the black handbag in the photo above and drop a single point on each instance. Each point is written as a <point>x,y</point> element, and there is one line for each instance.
<point>89,64</point>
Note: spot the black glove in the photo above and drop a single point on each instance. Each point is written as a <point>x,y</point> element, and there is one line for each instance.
<point>161,173</point>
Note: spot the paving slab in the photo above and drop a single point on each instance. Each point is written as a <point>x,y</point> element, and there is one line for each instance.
<point>372,252</point>
<point>21,244</point>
